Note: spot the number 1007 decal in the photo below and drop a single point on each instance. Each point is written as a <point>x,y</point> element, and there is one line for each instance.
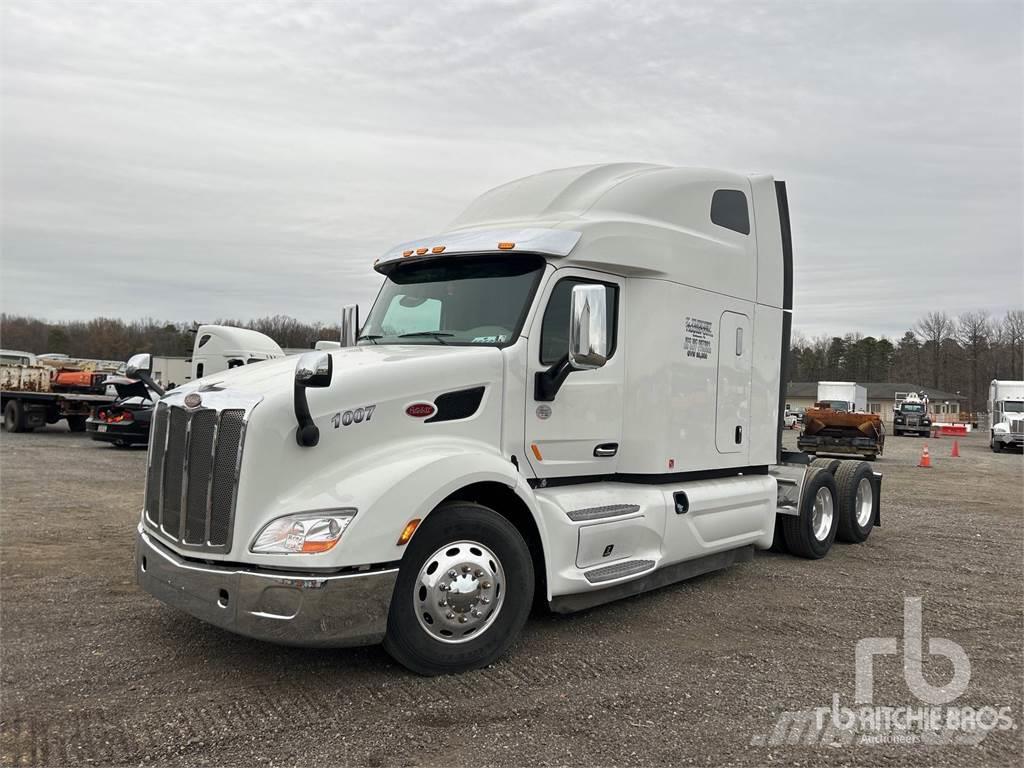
<point>355,416</point>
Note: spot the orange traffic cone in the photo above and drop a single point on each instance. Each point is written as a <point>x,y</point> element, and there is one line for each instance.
<point>926,460</point>
<point>956,449</point>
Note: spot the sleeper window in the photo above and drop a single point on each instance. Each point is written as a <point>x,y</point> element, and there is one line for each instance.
<point>729,210</point>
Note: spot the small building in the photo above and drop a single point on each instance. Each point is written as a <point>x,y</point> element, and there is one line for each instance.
<point>883,397</point>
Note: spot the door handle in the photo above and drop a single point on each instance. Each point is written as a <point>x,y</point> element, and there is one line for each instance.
<point>604,450</point>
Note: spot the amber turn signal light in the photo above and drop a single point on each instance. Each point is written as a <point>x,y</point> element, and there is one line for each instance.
<point>408,531</point>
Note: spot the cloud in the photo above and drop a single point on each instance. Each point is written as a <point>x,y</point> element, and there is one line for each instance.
<point>195,160</point>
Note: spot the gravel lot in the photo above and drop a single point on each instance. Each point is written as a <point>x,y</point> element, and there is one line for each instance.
<point>96,672</point>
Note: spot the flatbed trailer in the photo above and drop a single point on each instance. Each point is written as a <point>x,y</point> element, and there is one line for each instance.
<point>34,395</point>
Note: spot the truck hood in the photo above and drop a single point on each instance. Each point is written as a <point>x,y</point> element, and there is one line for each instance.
<point>353,366</point>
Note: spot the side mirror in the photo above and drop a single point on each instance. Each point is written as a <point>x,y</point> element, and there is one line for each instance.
<point>588,327</point>
<point>314,369</point>
<point>139,364</point>
<point>349,325</point>
<point>139,368</point>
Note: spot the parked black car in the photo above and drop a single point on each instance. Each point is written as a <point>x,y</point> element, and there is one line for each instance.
<point>125,422</point>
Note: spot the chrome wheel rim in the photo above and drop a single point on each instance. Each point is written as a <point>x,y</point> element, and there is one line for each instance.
<point>459,592</point>
<point>821,521</point>
<point>864,502</point>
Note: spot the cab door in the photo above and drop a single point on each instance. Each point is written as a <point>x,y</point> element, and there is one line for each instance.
<point>732,420</point>
<point>577,433</point>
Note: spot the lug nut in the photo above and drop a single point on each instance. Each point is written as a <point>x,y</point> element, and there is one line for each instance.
<point>443,587</point>
<point>442,603</point>
<point>466,569</point>
<point>452,574</point>
<point>449,615</point>
<point>485,600</point>
<point>477,614</point>
<point>479,573</point>
<point>462,619</point>
<point>486,585</point>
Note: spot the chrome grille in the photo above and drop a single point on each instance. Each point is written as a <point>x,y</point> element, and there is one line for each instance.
<point>193,474</point>
<point>1017,426</point>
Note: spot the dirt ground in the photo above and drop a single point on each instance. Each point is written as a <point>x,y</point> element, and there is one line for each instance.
<point>96,672</point>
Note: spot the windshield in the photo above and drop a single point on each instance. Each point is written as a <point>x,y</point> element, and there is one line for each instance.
<point>1013,406</point>
<point>912,408</point>
<point>459,301</point>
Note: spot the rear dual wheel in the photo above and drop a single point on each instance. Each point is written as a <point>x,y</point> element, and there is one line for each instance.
<point>463,592</point>
<point>856,496</point>
<point>14,417</point>
<point>811,532</point>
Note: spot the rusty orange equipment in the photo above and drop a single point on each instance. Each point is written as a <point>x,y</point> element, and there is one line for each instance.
<point>926,460</point>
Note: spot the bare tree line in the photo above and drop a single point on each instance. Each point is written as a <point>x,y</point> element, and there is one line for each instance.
<point>112,339</point>
<point>955,354</point>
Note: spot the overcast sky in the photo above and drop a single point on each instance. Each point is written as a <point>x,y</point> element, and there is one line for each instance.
<point>194,160</point>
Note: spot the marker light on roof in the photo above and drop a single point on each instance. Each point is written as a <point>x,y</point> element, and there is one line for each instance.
<point>420,251</point>
<point>506,246</point>
<point>437,249</point>
<point>407,253</point>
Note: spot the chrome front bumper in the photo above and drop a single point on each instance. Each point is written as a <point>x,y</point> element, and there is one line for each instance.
<point>280,607</point>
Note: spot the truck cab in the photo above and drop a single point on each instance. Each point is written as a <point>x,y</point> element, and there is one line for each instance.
<point>1006,415</point>
<point>221,347</point>
<point>572,394</point>
<point>911,416</point>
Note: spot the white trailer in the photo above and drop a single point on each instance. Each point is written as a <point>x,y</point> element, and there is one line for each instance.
<point>844,395</point>
<point>1006,414</point>
<point>574,393</point>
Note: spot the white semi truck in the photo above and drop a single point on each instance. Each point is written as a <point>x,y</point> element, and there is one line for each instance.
<point>573,395</point>
<point>1006,414</point>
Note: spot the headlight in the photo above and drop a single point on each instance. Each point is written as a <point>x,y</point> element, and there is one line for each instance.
<point>303,533</point>
<point>1001,429</point>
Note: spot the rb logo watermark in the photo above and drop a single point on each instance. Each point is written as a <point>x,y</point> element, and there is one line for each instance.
<point>866,724</point>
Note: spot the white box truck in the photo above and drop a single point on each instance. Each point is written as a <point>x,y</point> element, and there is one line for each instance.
<point>574,394</point>
<point>1006,415</point>
<point>843,395</point>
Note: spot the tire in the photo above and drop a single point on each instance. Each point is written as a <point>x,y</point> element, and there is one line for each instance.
<point>14,416</point>
<point>830,464</point>
<point>76,423</point>
<point>799,530</point>
<point>487,551</point>
<point>855,501</point>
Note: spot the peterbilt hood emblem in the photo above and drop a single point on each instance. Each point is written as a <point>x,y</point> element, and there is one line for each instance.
<point>193,400</point>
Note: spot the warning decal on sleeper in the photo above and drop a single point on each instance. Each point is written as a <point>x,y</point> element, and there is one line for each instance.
<point>697,338</point>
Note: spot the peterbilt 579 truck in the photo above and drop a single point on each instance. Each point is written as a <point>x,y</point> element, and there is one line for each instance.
<point>572,395</point>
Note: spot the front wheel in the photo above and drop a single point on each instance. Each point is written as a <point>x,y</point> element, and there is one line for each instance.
<point>76,423</point>
<point>463,593</point>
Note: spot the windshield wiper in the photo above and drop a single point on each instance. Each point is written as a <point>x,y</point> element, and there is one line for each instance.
<point>370,337</point>
<point>439,335</point>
